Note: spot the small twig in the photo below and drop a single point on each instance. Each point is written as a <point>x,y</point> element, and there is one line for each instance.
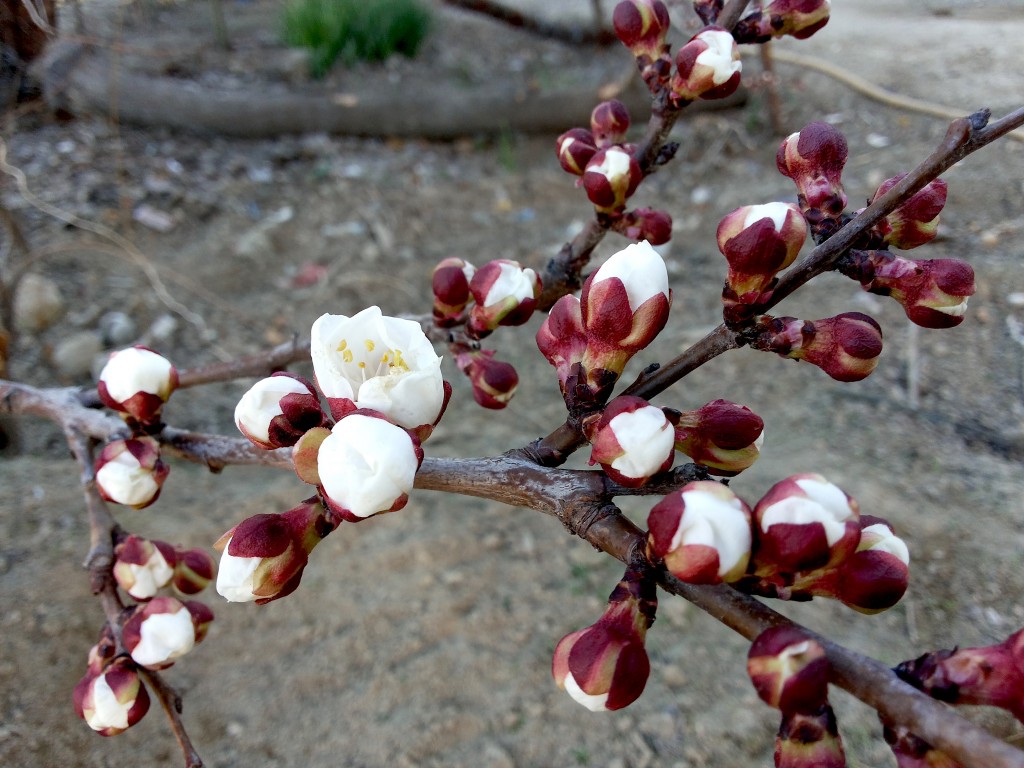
<point>527,23</point>
<point>771,88</point>
<point>171,702</point>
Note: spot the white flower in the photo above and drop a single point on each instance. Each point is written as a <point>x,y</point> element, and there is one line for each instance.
<point>646,438</point>
<point>235,577</point>
<point>378,362</point>
<point>720,56</point>
<point>164,637</point>
<point>367,465</point>
<point>641,270</point>
<point>135,370</point>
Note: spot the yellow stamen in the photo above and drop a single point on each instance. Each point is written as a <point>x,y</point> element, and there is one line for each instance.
<point>347,355</point>
<point>369,345</point>
<point>341,347</point>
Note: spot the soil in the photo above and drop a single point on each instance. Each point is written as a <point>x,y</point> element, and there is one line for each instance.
<point>424,638</point>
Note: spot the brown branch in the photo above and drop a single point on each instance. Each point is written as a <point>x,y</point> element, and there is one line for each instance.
<point>171,702</point>
<point>731,13</point>
<point>527,23</point>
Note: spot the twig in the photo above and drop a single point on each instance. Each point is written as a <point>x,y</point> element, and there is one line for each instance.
<point>527,23</point>
<point>171,702</point>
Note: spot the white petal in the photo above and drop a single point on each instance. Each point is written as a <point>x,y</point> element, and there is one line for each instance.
<point>126,481</point>
<point>719,55</point>
<point>646,438</point>
<point>825,503</point>
<point>133,370</point>
<point>262,403</point>
<point>887,542</point>
<point>641,270</point>
<point>614,165</point>
<point>775,211</point>
<point>164,637</point>
<point>149,577</point>
<point>512,281</point>
<point>107,711</point>
<point>716,523</point>
<point>593,702</point>
<point>234,577</point>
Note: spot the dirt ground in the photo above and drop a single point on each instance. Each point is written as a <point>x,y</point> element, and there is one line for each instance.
<point>424,638</point>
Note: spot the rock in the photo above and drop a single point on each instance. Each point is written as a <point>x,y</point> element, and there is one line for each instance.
<point>155,219</point>
<point>117,329</point>
<point>74,356</point>
<point>37,303</point>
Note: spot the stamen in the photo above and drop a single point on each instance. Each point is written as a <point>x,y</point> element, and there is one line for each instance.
<point>341,347</point>
<point>369,345</point>
<point>347,355</point>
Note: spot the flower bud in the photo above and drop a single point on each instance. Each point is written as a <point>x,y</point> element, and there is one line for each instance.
<point>130,472</point>
<point>367,465</point>
<point>916,221</point>
<point>804,523</point>
<point>194,569</point>
<point>276,411</point>
<point>494,381</point>
<point>159,632</point>
<point>608,123</point>
<point>385,363</point>
<point>575,147</point>
<point>562,340</point>
<point>707,67</point>
<point>846,347</point>
<point>605,665</point>
<point>913,752</point>
<point>264,555</point>
<point>505,293</point>
<point>611,176</point>
<point>758,241</point>
<point>450,283</point>
<point>702,532</point>
<point>137,381</point>
<point>933,292</point>
<point>202,617</point>
<point>814,160</point>
<point>624,305</point>
<point>809,741</point>
<point>874,577</point>
<point>992,675</point>
<point>142,567</point>
<point>642,26</point>
<point>113,699</point>
<point>723,436</point>
<point>645,224</point>
<point>799,18</point>
<point>789,670</point>
<point>632,441</point>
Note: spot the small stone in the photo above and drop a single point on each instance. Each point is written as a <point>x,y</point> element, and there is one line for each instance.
<point>37,303</point>
<point>75,355</point>
<point>117,328</point>
<point>155,219</point>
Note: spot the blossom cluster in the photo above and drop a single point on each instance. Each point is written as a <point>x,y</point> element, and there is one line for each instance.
<point>384,392</point>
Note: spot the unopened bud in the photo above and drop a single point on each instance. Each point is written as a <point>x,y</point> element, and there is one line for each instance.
<point>609,122</point>
<point>632,441</point>
<point>723,436</point>
<point>707,67</point>
<point>642,26</point>
<point>645,224</point>
<point>137,381</point>
<point>264,555</point>
<point>913,752</point>
<point>759,241</point>
<point>916,220</point>
<point>130,472</point>
<point>702,532</point>
<point>814,160</point>
<point>799,18</point>
<point>846,347</point>
<point>611,176</point>
<point>804,523</point>
<point>194,569</point>
<point>142,567</point>
<point>276,411</point>
<point>450,283</point>
<point>605,665</point>
<point>159,632</point>
<point>112,699</point>
<point>809,741</point>
<point>563,341</point>
<point>505,293</point>
<point>933,292</point>
<point>789,670</point>
<point>202,617</point>
<point>494,381</point>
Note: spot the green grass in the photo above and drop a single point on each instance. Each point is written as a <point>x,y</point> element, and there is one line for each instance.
<point>354,30</point>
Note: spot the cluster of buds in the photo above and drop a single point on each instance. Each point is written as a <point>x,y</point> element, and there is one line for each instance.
<point>933,292</point>
<point>609,172</point>
<point>758,241</point>
<point>846,347</point>
<point>723,436</point>
<point>142,567</point>
<point>797,18</point>
<point>992,675</point>
<point>790,672</point>
<point>605,666</point>
<point>805,538</point>
<point>383,385</point>
<point>135,382</point>
<point>623,307</point>
<point>632,440</point>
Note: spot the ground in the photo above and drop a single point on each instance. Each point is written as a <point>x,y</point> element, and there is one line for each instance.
<point>424,638</point>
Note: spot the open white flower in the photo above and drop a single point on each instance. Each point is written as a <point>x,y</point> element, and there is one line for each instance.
<point>367,465</point>
<point>383,363</point>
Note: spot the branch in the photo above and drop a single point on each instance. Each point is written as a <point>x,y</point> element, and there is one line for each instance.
<point>514,18</point>
<point>171,702</point>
